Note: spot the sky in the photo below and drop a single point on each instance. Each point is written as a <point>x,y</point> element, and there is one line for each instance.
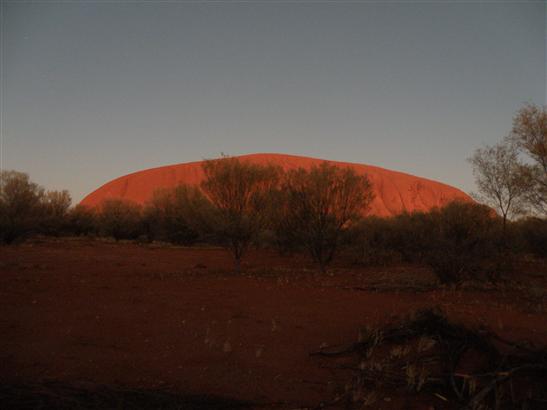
<point>92,90</point>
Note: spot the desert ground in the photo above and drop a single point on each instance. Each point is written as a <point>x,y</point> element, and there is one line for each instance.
<point>147,316</point>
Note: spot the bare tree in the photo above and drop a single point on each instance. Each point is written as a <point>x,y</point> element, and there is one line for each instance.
<point>320,203</point>
<point>499,179</point>
<point>530,135</point>
<point>241,193</point>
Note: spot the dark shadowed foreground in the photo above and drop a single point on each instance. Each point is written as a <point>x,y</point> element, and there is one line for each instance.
<point>122,325</point>
<point>60,396</point>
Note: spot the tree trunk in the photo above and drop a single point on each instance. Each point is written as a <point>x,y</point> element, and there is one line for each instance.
<point>322,266</point>
<point>237,264</point>
<point>504,232</point>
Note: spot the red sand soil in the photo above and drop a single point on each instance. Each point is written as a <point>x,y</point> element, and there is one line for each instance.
<point>395,191</point>
<point>144,316</point>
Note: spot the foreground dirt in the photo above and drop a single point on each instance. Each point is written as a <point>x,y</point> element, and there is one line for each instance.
<point>148,317</point>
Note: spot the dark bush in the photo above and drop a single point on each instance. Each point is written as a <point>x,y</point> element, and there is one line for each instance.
<point>20,206</point>
<point>411,235</point>
<point>82,220</point>
<point>55,209</point>
<point>531,234</point>
<point>319,204</point>
<point>120,219</point>
<point>370,242</point>
<point>240,193</point>
<point>383,241</point>
<point>465,243</point>
<point>178,215</point>
<point>283,237</point>
<point>460,241</point>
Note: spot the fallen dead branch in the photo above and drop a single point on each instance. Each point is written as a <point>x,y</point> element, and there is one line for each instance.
<point>427,354</point>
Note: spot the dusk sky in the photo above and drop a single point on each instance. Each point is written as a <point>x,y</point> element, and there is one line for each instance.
<point>95,90</point>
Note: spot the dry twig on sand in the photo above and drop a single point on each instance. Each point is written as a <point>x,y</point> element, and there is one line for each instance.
<point>428,354</point>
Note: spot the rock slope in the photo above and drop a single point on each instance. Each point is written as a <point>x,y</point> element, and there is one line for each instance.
<point>396,192</point>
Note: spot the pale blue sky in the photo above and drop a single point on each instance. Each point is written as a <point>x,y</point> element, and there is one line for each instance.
<point>95,90</point>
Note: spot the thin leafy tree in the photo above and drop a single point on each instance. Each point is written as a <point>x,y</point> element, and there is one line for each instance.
<point>499,179</point>
<point>320,203</point>
<point>241,194</point>
<point>529,133</point>
<point>55,208</point>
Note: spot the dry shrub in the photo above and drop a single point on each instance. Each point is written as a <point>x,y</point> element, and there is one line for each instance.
<point>382,241</point>
<point>460,241</point>
<point>369,242</point>
<point>82,220</point>
<point>55,210</point>
<point>241,194</point>
<point>466,243</point>
<point>180,215</point>
<point>120,219</point>
<point>412,235</point>
<point>531,234</point>
<point>20,206</point>
<point>319,204</point>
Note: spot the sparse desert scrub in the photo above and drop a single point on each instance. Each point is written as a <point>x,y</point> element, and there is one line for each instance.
<point>370,242</point>
<point>316,210</point>
<point>412,235</point>
<point>27,209</point>
<point>55,208</point>
<point>319,204</point>
<point>241,194</point>
<point>20,206</point>
<point>181,215</point>
<point>466,243</point>
<point>461,241</point>
<point>82,220</point>
<point>384,241</point>
<point>120,219</point>
<point>531,235</point>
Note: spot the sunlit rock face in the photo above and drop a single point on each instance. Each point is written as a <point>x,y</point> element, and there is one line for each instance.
<point>395,192</point>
